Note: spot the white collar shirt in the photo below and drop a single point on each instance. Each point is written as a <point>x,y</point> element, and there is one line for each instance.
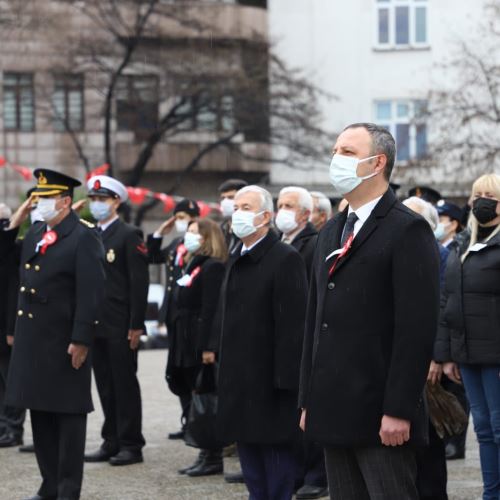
<point>363,213</point>
<point>107,224</point>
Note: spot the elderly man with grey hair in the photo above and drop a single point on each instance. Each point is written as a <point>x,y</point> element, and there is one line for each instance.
<point>295,206</point>
<point>259,339</point>
<point>322,209</point>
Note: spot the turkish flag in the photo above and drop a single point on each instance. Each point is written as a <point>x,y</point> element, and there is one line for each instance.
<point>205,209</point>
<point>3,161</point>
<point>24,171</point>
<point>168,201</point>
<point>137,195</point>
<point>101,170</point>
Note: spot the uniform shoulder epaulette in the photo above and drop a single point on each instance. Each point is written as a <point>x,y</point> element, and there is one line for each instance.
<point>87,223</point>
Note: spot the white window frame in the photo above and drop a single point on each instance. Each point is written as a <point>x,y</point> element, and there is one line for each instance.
<point>410,120</point>
<point>391,6</point>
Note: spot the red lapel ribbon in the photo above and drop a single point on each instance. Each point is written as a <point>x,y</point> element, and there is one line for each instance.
<point>181,252</point>
<point>49,238</point>
<point>345,249</point>
<point>193,275</point>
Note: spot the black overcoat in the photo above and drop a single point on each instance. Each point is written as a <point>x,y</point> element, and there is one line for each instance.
<point>263,302</point>
<point>469,330</point>
<point>370,328</point>
<point>60,298</point>
<point>127,280</point>
<point>305,244</point>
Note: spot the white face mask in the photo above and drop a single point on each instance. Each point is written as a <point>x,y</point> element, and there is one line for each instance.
<point>285,221</point>
<point>47,208</point>
<point>441,231</point>
<point>100,210</point>
<point>181,226</point>
<point>227,207</point>
<point>243,223</point>
<point>343,173</point>
<point>35,216</point>
<point>192,242</point>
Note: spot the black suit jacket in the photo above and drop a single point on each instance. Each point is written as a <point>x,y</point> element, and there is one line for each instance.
<point>263,302</point>
<point>127,280</point>
<point>60,300</point>
<point>370,328</point>
<point>305,244</point>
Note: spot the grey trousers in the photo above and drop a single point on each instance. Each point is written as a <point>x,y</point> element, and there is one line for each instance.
<point>379,473</point>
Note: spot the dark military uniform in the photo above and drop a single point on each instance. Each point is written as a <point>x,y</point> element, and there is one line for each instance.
<point>115,364</point>
<point>60,295</point>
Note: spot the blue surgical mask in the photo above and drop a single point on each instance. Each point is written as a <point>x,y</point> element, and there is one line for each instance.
<point>192,242</point>
<point>242,223</point>
<point>100,210</point>
<point>440,231</point>
<point>343,173</point>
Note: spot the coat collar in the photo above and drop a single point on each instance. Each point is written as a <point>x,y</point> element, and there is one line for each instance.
<point>308,231</point>
<point>259,250</point>
<point>111,229</point>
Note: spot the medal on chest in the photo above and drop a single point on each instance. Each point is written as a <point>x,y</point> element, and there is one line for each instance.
<point>49,238</point>
<point>110,256</point>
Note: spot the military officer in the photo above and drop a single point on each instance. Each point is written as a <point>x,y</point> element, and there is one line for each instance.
<point>174,256</point>
<point>114,351</point>
<point>60,296</point>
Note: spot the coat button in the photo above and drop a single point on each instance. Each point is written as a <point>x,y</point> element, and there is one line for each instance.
<point>20,312</point>
<point>324,327</point>
<point>37,268</point>
<point>169,288</point>
<point>27,266</point>
<point>22,289</point>
<point>331,285</point>
<point>30,316</point>
<point>96,322</point>
<point>171,278</point>
<point>32,291</point>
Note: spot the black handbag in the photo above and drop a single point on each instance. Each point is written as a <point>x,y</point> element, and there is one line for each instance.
<point>200,429</point>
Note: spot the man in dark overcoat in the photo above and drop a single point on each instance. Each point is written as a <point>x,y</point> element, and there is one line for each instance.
<point>114,351</point>
<point>263,309</point>
<point>371,321</point>
<point>60,295</point>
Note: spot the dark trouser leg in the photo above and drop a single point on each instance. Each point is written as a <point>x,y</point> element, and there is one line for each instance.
<point>459,391</point>
<point>315,472</point>
<point>254,470</point>
<point>389,472</point>
<point>281,470</point>
<point>11,419</point>
<point>432,475</point>
<point>127,394</point>
<point>104,382</point>
<point>72,431</point>
<point>345,480</point>
<point>46,440</point>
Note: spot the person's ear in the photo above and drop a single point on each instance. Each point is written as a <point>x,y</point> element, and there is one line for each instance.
<point>381,163</point>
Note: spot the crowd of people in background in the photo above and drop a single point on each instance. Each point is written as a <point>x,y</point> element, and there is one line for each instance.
<point>321,335</point>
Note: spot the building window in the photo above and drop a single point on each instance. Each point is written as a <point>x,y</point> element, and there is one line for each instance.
<point>401,24</point>
<point>67,103</point>
<point>18,102</point>
<point>405,120</point>
<point>208,113</point>
<point>137,104</point>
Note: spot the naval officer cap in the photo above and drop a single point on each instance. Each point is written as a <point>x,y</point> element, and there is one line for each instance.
<point>52,183</point>
<point>103,185</point>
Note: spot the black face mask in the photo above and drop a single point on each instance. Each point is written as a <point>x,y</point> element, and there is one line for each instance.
<point>484,210</point>
<point>4,223</point>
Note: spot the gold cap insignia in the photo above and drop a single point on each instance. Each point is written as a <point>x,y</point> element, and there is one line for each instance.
<point>110,256</point>
<point>42,179</point>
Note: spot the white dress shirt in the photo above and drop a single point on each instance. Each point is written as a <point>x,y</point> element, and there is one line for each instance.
<point>363,213</point>
<point>245,249</point>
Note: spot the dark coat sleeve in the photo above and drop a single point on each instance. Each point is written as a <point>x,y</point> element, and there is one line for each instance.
<point>138,275</point>
<point>442,349</point>
<point>89,287</point>
<point>213,275</point>
<point>7,242</point>
<point>289,306</point>
<point>415,274</point>
<point>155,253</point>
<point>307,348</point>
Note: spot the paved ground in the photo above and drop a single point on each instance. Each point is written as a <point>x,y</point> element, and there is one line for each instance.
<point>157,478</point>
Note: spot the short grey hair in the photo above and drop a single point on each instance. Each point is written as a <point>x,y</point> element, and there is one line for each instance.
<point>324,203</point>
<point>265,196</point>
<point>425,209</point>
<point>305,198</point>
<point>382,143</point>
<point>5,211</point>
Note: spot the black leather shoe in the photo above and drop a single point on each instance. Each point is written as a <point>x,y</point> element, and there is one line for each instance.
<point>176,435</point>
<point>127,457</point>
<point>27,448</point>
<point>206,468</point>
<point>100,455</point>
<point>453,452</point>
<point>198,461</point>
<point>8,439</point>
<point>236,477</point>
<point>307,492</point>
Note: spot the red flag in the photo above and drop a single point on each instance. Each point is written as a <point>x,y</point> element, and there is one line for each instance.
<point>137,195</point>
<point>101,170</point>
<point>24,171</point>
<point>204,208</point>
<point>3,161</point>
<point>168,201</point>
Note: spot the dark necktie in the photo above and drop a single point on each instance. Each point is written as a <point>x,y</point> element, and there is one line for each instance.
<point>349,227</point>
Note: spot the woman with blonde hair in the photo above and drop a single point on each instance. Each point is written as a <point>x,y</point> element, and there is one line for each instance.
<point>468,341</point>
<point>197,297</point>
